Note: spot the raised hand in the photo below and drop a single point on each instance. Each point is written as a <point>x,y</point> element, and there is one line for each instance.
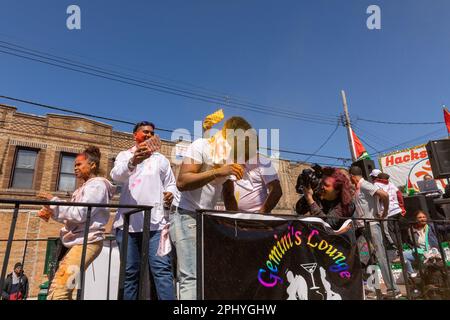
<point>231,169</point>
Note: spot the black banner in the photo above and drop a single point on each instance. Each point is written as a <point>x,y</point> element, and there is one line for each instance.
<point>262,257</point>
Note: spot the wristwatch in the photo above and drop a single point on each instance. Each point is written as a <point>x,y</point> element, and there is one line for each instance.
<point>131,166</point>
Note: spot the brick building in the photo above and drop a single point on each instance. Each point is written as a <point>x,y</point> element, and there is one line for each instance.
<point>37,153</point>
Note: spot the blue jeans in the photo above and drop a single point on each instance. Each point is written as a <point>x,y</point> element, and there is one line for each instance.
<point>183,233</point>
<point>160,267</point>
<point>409,260</point>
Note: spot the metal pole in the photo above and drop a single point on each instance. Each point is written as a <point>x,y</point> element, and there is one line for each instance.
<point>416,255</point>
<point>444,262</point>
<point>9,244</point>
<point>80,291</point>
<point>383,236</point>
<point>402,258</point>
<point>348,125</point>
<point>369,242</point>
<point>199,253</point>
<point>144,256</point>
<point>24,254</point>
<point>123,257</point>
<point>109,269</point>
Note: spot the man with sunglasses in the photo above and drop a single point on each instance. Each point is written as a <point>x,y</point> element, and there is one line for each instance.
<point>146,178</point>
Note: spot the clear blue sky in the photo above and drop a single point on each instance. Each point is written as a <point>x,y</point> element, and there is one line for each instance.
<point>296,55</point>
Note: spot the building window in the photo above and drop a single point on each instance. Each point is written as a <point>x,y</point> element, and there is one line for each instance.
<point>67,180</point>
<point>24,167</point>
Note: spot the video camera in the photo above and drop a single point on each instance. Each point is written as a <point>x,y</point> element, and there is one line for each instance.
<point>309,178</point>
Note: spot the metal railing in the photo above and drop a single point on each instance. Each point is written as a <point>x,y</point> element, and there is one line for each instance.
<point>124,247</point>
<point>401,228</point>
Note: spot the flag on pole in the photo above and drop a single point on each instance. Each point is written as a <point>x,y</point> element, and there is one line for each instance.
<point>360,151</point>
<point>447,119</point>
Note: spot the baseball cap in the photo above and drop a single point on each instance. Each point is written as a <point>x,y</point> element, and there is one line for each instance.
<point>375,173</point>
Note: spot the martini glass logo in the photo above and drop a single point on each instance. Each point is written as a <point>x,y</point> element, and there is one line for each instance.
<point>310,268</point>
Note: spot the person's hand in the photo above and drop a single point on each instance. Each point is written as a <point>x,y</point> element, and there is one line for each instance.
<point>153,144</point>
<point>168,198</point>
<point>384,214</point>
<point>308,191</point>
<point>45,196</point>
<point>142,152</point>
<point>45,214</point>
<point>345,229</point>
<point>230,169</point>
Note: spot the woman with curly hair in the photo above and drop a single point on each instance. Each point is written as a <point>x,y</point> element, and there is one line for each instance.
<point>334,200</point>
<point>95,189</point>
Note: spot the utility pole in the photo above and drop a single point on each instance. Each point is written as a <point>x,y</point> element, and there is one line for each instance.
<point>348,125</point>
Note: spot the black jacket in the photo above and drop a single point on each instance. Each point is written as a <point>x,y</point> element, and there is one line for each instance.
<point>330,211</point>
<point>7,286</point>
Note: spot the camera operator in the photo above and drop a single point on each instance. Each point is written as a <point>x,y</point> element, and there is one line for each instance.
<point>331,199</point>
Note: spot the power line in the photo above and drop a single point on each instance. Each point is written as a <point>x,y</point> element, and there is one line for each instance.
<point>46,106</point>
<point>324,143</point>
<point>164,88</point>
<point>223,96</point>
<point>273,113</point>
<point>399,123</point>
<point>375,138</point>
<point>133,123</point>
<point>409,141</point>
<point>366,143</point>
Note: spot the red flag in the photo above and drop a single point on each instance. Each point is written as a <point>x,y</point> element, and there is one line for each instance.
<point>447,120</point>
<point>360,151</point>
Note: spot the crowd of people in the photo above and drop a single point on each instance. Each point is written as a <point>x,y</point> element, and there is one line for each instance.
<point>212,168</point>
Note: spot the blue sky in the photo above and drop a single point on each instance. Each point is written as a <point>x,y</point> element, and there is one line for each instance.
<point>295,55</point>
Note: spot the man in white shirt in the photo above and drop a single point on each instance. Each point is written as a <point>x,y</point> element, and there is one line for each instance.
<point>396,209</point>
<point>201,181</point>
<point>146,179</point>
<point>366,197</point>
<point>259,190</point>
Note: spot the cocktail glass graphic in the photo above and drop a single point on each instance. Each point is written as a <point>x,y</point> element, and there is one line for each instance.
<point>311,267</point>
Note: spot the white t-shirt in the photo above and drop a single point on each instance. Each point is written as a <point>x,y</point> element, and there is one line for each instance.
<point>251,191</point>
<point>391,190</point>
<point>207,196</point>
<point>143,186</point>
<point>365,201</point>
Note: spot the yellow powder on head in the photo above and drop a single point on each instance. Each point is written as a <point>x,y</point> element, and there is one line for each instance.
<point>213,119</point>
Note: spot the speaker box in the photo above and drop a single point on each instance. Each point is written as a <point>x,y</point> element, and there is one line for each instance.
<point>439,156</point>
<point>366,166</point>
<point>413,204</point>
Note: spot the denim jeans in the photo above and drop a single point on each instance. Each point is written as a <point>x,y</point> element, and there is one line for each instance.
<point>183,233</point>
<point>160,267</point>
<point>409,260</point>
<point>377,243</point>
<point>389,231</point>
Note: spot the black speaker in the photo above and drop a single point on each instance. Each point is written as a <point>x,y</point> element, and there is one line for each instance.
<point>366,167</point>
<point>439,155</point>
<point>415,203</point>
